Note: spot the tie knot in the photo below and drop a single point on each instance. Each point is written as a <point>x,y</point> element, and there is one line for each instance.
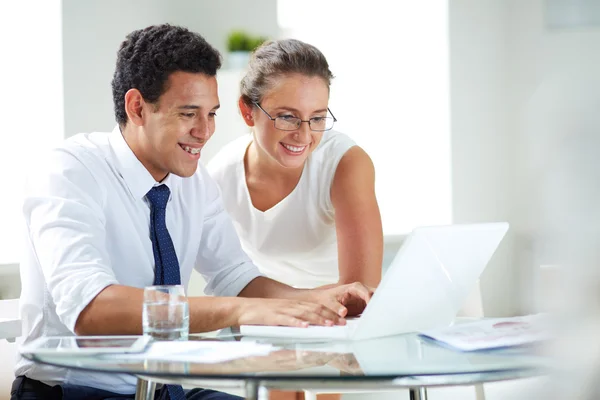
<point>158,196</point>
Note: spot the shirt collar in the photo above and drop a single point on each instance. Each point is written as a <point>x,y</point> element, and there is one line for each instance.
<point>136,176</point>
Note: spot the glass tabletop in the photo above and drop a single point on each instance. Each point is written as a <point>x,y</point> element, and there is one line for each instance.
<point>391,358</point>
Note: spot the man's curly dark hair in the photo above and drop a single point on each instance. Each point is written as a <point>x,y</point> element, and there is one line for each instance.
<point>148,56</point>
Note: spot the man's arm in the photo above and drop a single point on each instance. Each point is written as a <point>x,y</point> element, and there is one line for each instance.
<point>117,310</point>
<point>65,220</point>
<point>65,224</point>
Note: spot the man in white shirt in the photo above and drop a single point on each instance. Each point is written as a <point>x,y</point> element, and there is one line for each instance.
<point>94,241</point>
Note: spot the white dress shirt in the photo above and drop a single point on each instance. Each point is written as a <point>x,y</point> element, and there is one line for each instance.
<point>87,226</point>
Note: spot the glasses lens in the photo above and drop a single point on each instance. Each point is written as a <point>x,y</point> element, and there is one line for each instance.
<point>321,124</point>
<point>287,123</point>
<point>293,123</point>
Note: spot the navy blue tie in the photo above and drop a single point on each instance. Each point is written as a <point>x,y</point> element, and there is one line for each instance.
<point>166,265</point>
<point>166,270</point>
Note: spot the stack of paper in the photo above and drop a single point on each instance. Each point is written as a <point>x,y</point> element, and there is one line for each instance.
<point>493,332</point>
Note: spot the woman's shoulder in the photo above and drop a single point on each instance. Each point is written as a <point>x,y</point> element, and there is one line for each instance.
<point>323,162</point>
<point>229,156</point>
<point>334,145</point>
<point>335,140</point>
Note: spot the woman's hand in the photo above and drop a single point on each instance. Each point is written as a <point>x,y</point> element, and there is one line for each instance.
<point>346,300</point>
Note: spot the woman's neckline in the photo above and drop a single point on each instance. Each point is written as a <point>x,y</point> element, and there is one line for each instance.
<point>247,189</point>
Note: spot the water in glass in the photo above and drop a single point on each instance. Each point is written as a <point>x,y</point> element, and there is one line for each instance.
<point>165,313</point>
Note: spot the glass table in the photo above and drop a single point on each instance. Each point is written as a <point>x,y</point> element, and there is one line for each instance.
<point>405,361</point>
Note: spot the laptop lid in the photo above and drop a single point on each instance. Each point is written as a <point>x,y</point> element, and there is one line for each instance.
<point>429,279</point>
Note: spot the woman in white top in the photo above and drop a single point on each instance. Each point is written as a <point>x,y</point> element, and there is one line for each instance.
<point>301,195</point>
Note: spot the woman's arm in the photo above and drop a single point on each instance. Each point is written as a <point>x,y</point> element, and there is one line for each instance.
<point>357,219</point>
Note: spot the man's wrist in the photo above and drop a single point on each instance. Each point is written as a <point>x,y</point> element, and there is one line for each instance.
<point>236,308</point>
<point>309,295</point>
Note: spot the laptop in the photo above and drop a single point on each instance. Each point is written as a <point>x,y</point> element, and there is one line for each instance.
<point>424,287</point>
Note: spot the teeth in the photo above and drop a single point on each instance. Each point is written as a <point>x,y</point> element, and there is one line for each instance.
<point>191,150</point>
<point>293,148</point>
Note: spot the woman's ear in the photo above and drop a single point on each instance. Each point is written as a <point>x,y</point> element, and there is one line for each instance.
<point>246,111</point>
<point>133,106</point>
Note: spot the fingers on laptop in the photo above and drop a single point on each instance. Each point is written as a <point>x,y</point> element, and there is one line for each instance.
<point>314,314</point>
<point>345,293</point>
<point>334,303</point>
<point>302,314</point>
<point>359,290</point>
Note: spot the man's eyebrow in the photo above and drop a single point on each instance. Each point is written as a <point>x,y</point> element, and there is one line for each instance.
<point>195,107</point>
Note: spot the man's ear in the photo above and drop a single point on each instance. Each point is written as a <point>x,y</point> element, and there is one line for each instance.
<point>246,111</point>
<point>134,104</point>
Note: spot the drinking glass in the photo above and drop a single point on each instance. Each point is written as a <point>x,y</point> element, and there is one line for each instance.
<point>166,313</point>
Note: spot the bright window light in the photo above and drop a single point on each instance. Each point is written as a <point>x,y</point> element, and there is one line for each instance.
<point>31,104</point>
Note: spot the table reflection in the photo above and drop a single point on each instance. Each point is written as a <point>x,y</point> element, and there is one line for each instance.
<point>397,356</point>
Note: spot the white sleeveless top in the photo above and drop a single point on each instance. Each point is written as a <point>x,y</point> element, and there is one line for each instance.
<point>293,242</point>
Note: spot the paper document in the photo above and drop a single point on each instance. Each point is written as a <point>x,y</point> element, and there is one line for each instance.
<point>202,351</point>
<point>493,332</point>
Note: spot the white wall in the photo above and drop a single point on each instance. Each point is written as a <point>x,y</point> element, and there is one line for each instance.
<point>31,111</point>
<point>215,19</point>
<point>501,55</point>
<point>92,33</point>
<point>482,151</point>
<point>541,57</point>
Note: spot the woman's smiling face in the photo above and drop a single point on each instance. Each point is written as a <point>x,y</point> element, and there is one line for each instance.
<point>292,96</point>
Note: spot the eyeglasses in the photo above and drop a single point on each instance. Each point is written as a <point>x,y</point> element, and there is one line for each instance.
<point>291,123</point>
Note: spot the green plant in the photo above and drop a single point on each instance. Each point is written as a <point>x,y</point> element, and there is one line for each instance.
<point>239,40</point>
<point>255,42</point>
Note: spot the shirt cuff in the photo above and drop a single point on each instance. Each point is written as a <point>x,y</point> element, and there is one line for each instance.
<point>232,286</point>
<point>70,314</point>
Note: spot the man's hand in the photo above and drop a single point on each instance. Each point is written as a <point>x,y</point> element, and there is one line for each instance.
<point>287,313</point>
<point>346,300</point>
